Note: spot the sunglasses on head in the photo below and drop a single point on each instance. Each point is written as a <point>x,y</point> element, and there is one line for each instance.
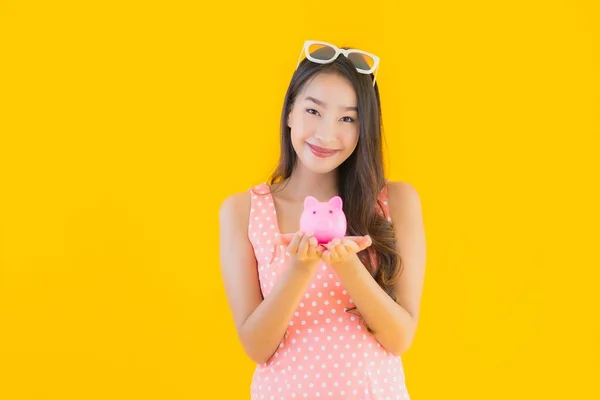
<point>324,53</point>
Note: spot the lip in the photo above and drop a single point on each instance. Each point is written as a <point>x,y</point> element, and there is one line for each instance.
<point>321,151</point>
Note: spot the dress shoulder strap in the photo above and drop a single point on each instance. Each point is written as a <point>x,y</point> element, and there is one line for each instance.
<point>383,207</point>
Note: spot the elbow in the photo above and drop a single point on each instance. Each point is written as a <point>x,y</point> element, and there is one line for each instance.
<point>254,350</point>
<point>399,349</point>
<point>401,343</point>
<point>396,347</point>
<point>404,339</point>
<point>257,356</point>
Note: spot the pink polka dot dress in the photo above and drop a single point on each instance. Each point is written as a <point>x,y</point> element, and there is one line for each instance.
<point>326,352</point>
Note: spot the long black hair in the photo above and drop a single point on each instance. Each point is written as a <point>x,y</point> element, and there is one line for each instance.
<point>360,177</point>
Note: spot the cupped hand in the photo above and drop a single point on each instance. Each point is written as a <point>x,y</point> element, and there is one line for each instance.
<point>344,249</point>
<point>336,251</point>
<point>303,248</point>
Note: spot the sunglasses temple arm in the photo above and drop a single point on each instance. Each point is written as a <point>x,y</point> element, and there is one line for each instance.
<point>375,76</point>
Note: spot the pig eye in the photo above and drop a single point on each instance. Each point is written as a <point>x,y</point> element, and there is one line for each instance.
<point>330,212</point>
<point>314,212</point>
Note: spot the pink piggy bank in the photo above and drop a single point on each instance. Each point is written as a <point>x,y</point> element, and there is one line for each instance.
<point>326,220</point>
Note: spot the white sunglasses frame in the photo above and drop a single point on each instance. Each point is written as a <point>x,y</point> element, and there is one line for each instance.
<point>339,51</point>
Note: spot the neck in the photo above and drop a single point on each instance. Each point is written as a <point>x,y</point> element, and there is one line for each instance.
<point>304,182</point>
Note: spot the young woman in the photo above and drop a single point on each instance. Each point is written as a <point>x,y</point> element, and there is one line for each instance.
<point>326,320</point>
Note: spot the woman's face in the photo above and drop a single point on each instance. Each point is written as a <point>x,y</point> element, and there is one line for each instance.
<point>324,122</point>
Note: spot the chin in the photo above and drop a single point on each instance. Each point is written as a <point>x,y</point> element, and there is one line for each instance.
<point>319,169</point>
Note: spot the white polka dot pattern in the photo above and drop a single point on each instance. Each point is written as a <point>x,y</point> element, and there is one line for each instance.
<point>326,352</point>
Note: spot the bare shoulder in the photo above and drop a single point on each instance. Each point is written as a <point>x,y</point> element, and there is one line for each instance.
<point>235,207</point>
<point>402,198</point>
<point>235,246</point>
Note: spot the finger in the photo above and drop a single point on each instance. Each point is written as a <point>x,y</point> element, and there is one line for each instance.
<point>326,256</point>
<point>312,247</point>
<point>293,246</point>
<point>329,248</point>
<point>320,250</point>
<point>303,247</point>
<point>332,248</point>
<point>354,238</point>
<point>350,246</point>
<point>338,246</point>
<point>362,241</point>
<point>310,252</point>
<point>367,241</point>
<point>341,250</point>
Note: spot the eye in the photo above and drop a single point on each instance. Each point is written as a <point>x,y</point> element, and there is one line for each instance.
<point>330,212</point>
<point>312,111</point>
<point>348,119</point>
<point>314,212</point>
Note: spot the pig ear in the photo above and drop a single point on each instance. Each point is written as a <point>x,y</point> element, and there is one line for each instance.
<point>336,202</point>
<point>310,202</point>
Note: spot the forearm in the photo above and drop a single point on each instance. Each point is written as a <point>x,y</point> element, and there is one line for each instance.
<point>392,325</point>
<point>264,328</point>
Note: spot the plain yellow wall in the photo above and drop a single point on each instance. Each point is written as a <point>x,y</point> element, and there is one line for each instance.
<point>125,124</point>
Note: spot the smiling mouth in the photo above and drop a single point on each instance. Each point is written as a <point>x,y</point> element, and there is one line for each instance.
<point>321,151</point>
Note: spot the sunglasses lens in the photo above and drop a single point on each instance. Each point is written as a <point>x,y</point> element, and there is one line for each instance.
<point>362,61</point>
<point>321,52</point>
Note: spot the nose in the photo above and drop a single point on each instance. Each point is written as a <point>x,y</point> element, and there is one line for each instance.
<point>326,132</point>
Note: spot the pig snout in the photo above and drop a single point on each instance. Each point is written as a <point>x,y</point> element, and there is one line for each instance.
<point>322,225</point>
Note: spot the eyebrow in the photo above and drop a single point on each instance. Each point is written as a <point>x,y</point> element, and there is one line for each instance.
<point>319,102</point>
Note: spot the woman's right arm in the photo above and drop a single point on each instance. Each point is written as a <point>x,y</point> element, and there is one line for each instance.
<point>260,324</point>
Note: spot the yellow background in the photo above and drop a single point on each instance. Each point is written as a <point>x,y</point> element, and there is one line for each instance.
<point>125,124</point>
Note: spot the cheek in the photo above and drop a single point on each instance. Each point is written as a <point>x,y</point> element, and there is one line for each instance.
<point>350,139</point>
<point>303,126</point>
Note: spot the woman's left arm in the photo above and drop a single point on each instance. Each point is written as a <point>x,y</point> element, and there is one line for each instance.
<point>393,324</point>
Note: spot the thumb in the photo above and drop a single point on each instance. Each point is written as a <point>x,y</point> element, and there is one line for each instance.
<point>366,242</point>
